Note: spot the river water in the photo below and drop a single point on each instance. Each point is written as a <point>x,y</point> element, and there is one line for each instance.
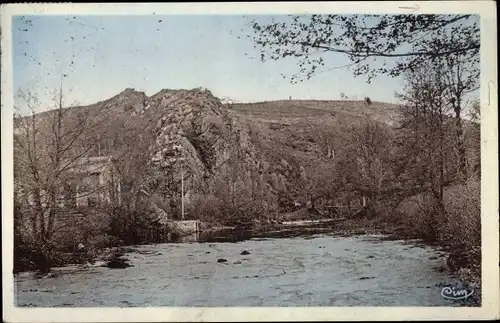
<point>314,270</point>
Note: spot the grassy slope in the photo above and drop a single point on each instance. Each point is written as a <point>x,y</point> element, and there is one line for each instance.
<point>289,129</point>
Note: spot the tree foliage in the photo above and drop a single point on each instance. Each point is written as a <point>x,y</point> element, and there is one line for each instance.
<point>399,42</point>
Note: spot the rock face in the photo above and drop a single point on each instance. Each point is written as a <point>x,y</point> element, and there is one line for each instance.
<point>190,128</point>
<point>195,139</point>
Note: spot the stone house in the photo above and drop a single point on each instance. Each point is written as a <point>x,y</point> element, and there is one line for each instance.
<point>90,182</point>
<point>94,181</point>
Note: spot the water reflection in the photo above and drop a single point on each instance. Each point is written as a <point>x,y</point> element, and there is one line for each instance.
<point>238,235</point>
<point>225,235</point>
<point>194,237</point>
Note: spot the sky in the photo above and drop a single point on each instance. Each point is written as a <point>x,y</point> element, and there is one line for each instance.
<point>97,57</point>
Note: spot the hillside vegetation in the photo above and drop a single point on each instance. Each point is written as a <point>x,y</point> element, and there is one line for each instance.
<point>255,163</point>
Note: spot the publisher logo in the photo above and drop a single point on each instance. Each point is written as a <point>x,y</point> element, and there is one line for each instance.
<point>456,293</point>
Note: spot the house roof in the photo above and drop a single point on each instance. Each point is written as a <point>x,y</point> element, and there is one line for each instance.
<point>92,165</point>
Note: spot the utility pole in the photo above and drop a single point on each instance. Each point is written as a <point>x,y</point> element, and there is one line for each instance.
<point>182,191</point>
<point>98,145</point>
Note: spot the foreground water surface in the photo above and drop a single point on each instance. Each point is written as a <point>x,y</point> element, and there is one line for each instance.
<point>318,270</point>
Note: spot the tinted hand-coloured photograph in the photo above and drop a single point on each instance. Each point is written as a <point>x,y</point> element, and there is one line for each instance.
<point>246,159</point>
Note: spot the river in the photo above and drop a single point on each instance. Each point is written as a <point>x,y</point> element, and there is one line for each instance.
<point>313,270</point>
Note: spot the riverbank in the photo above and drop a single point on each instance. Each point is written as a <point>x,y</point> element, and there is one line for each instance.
<point>344,228</point>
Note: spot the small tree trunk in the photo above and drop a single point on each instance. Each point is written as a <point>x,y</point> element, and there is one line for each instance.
<point>52,215</point>
<point>39,216</point>
<point>34,219</point>
<point>460,147</point>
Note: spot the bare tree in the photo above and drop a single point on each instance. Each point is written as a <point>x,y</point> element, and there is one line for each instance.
<point>461,78</point>
<point>426,124</point>
<point>47,146</point>
<point>364,165</point>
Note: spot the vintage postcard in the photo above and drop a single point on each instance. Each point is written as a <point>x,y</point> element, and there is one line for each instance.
<point>249,161</point>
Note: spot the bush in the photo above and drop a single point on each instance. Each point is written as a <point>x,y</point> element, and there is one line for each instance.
<point>135,227</point>
<point>461,230</point>
<point>31,254</point>
<point>219,210</point>
<point>420,217</point>
<point>458,229</point>
<point>210,208</point>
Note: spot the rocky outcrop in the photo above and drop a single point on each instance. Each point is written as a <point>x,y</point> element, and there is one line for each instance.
<point>190,135</point>
<point>196,139</point>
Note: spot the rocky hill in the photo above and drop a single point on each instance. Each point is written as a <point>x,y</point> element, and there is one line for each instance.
<point>255,157</point>
<point>236,153</point>
<point>196,138</point>
<point>174,135</point>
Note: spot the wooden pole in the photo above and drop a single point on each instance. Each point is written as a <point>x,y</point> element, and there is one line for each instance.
<point>98,145</point>
<point>182,192</point>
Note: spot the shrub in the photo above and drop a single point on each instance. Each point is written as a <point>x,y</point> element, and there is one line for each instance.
<point>208,208</point>
<point>461,229</point>
<point>31,254</point>
<point>135,227</point>
<point>420,217</point>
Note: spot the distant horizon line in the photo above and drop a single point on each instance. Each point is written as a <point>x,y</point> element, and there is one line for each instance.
<point>225,100</point>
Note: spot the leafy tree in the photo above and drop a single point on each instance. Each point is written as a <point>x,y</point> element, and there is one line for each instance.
<point>399,42</point>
